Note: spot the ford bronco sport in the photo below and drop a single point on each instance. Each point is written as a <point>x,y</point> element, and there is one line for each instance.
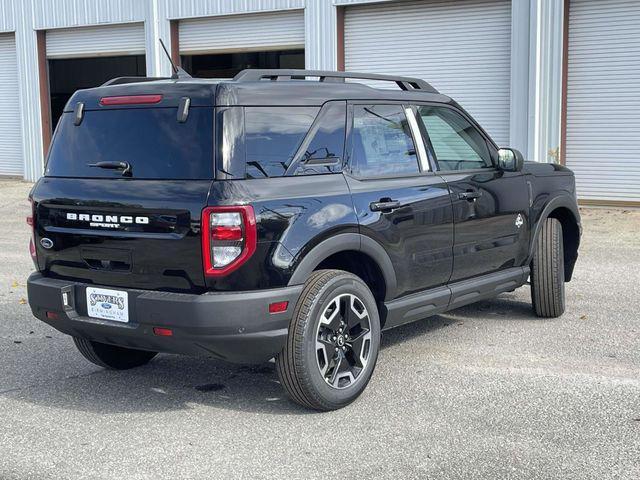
<point>288,214</point>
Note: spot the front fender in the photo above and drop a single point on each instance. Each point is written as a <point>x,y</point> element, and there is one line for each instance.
<point>561,200</point>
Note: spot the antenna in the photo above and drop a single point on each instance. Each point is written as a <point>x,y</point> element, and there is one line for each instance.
<point>178,72</point>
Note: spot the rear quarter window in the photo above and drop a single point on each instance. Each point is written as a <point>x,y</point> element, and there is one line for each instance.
<point>266,142</point>
<point>151,140</point>
<point>272,137</point>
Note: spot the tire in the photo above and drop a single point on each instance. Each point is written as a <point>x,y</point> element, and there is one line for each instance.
<point>112,357</point>
<point>326,364</point>
<point>547,271</point>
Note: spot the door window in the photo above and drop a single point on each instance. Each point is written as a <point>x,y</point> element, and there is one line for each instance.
<point>382,142</point>
<point>456,143</point>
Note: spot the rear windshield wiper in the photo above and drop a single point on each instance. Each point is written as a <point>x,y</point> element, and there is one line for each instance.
<point>124,166</point>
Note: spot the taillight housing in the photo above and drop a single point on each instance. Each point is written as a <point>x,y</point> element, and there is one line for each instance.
<point>229,238</point>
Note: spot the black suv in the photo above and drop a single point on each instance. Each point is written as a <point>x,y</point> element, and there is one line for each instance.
<point>288,214</point>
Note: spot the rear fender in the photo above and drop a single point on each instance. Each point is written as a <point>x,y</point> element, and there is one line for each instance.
<point>345,242</point>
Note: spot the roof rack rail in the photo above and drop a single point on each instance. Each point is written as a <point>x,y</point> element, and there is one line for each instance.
<point>122,80</point>
<point>255,75</point>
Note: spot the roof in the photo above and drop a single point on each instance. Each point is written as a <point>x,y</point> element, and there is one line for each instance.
<point>261,87</point>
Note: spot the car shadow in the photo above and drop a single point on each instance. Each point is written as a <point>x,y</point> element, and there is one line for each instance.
<point>173,382</point>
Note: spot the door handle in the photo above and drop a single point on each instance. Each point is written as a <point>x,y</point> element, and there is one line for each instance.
<point>384,205</point>
<point>470,195</point>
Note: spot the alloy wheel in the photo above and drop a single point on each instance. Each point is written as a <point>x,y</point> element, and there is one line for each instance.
<point>343,341</point>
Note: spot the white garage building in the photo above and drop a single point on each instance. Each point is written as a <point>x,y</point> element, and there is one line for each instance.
<point>557,79</point>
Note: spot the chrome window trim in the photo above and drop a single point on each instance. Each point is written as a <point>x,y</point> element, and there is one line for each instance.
<point>417,139</point>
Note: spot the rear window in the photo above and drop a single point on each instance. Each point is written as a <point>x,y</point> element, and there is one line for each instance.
<point>151,140</point>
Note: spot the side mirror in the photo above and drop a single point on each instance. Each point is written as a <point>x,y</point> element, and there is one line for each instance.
<point>510,160</point>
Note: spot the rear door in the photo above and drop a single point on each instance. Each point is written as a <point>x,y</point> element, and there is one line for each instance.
<point>138,228</point>
<point>489,206</point>
<point>399,202</point>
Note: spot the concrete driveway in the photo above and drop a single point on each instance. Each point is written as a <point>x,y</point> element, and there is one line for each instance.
<point>487,391</point>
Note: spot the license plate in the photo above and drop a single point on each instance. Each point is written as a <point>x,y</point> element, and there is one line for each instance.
<point>108,304</point>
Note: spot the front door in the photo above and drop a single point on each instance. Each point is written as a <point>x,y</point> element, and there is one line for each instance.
<point>489,206</point>
<point>399,202</point>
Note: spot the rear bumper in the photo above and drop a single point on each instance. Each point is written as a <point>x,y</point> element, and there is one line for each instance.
<point>236,326</point>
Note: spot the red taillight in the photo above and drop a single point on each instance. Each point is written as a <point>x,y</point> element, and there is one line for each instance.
<point>162,332</point>
<point>53,316</point>
<point>229,238</point>
<point>278,307</point>
<point>130,100</point>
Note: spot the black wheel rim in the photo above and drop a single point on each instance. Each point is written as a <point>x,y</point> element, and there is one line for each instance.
<point>343,341</point>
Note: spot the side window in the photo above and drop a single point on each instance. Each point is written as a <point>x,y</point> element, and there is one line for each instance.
<point>322,150</point>
<point>272,137</point>
<point>456,143</point>
<point>382,142</point>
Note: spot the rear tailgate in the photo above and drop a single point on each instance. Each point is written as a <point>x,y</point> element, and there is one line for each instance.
<point>137,234</point>
<point>137,230</point>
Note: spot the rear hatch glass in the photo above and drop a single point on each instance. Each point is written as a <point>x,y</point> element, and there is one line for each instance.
<point>137,231</point>
<point>151,140</point>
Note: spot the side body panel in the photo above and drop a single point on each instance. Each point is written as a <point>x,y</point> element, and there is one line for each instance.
<point>293,215</point>
<point>418,236</point>
<point>491,231</point>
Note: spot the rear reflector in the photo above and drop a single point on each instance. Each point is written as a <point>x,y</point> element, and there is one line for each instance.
<point>278,307</point>
<point>32,249</point>
<point>32,241</point>
<point>53,316</point>
<point>130,100</point>
<point>226,233</point>
<point>162,332</point>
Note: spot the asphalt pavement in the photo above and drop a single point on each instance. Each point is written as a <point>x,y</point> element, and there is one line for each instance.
<point>486,391</point>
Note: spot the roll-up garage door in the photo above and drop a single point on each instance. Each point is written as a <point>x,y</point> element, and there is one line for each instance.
<point>462,48</point>
<point>11,162</point>
<point>103,40</point>
<point>603,99</point>
<point>234,33</point>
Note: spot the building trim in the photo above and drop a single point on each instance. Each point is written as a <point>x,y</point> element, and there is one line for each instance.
<point>519,82</point>
<point>565,83</point>
<point>340,38</point>
<point>591,202</point>
<point>174,29</point>
<point>45,97</point>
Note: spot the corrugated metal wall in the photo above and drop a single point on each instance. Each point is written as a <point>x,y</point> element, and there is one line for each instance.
<point>123,39</point>
<point>11,159</point>
<point>461,47</point>
<point>69,13</point>
<point>257,31</point>
<point>603,99</point>
<point>320,30</point>
<point>202,8</point>
<point>6,16</point>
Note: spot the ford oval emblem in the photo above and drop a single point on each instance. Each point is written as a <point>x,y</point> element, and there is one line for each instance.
<point>46,243</point>
<point>106,306</point>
